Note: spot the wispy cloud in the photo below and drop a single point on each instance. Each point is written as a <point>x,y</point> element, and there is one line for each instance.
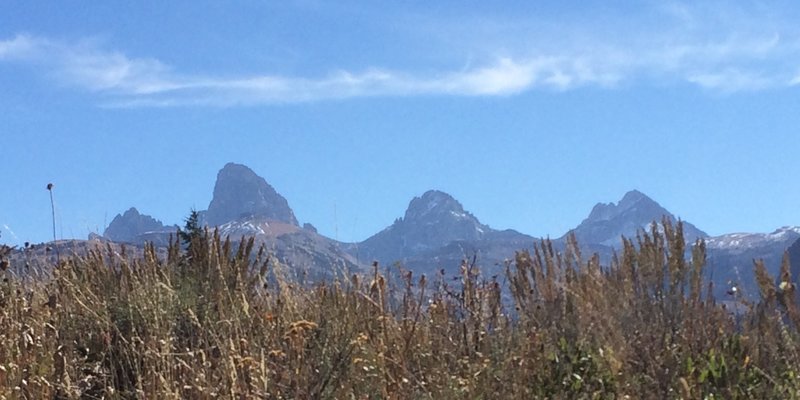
<point>132,81</point>
<point>18,47</point>
<point>11,232</point>
<point>147,82</point>
<point>726,55</point>
<point>732,80</point>
<point>87,66</point>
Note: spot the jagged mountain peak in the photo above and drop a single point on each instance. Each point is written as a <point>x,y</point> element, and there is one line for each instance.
<point>432,204</point>
<point>131,213</point>
<point>607,222</point>
<point>631,200</point>
<point>633,197</point>
<point>126,227</point>
<point>435,198</point>
<point>239,193</point>
<point>432,220</point>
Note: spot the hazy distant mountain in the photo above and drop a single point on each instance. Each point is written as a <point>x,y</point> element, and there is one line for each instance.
<point>729,257</point>
<point>436,232</point>
<point>608,222</point>
<point>431,221</point>
<point>241,194</point>
<point>134,227</point>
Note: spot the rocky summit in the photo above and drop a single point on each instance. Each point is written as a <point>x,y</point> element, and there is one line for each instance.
<point>241,194</point>
<point>432,220</point>
<point>129,226</point>
<point>635,212</point>
<point>436,218</point>
<point>437,233</point>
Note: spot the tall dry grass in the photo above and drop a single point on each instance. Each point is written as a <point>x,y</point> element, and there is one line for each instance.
<point>224,322</point>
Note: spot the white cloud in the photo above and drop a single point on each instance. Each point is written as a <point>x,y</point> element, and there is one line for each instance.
<point>116,72</point>
<point>21,46</point>
<point>504,77</point>
<point>84,65</point>
<point>732,81</point>
<point>738,52</point>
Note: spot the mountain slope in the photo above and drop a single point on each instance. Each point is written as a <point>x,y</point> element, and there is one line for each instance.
<point>305,251</point>
<point>745,242</point>
<point>731,256</point>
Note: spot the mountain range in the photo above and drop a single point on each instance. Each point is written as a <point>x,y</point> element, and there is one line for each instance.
<point>436,233</point>
<point>245,205</point>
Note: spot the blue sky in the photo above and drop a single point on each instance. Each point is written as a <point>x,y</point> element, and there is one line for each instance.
<point>528,113</point>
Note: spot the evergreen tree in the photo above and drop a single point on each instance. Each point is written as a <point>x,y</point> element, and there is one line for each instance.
<point>191,228</point>
<point>192,232</point>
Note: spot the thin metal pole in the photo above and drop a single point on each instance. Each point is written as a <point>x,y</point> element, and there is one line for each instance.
<point>53,210</point>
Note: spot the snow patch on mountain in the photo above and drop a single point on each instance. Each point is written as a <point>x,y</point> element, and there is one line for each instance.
<point>743,241</point>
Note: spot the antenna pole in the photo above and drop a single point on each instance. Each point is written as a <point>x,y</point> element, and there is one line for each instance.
<point>53,211</point>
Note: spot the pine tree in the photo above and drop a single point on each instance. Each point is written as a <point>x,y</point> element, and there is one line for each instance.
<point>191,228</point>
<point>192,232</point>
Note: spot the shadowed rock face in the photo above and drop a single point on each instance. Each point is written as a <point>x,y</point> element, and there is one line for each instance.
<point>794,260</point>
<point>241,194</point>
<point>128,226</point>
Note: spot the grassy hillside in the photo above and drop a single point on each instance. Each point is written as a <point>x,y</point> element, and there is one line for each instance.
<point>218,322</point>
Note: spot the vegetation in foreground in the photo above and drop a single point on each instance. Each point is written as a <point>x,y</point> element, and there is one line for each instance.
<point>220,320</point>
